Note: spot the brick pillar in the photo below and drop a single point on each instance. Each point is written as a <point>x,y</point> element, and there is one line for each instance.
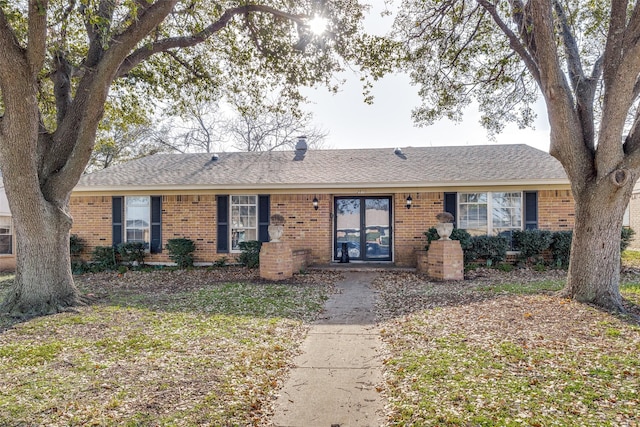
<point>445,260</point>
<point>276,261</point>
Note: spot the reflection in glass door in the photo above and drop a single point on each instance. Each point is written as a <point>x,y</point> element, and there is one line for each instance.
<point>364,225</point>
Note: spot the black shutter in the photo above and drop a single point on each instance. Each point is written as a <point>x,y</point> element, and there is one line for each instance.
<point>116,220</point>
<point>223,224</point>
<point>530,210</point>
<point>156,225</point>
<point>451,205</point>
<point>264,206</point>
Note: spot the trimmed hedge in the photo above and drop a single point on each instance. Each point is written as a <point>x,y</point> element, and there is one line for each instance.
<point>181,251</point>
<point>250,256</point>
<point>531,243</point>
<point>132,252</point>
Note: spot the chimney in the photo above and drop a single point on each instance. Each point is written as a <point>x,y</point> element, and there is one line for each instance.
<point>301,148</point>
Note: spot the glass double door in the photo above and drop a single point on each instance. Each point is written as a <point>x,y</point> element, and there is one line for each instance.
<point>364,225</point>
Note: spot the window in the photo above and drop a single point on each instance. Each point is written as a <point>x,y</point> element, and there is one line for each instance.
<point>137,219</point>
<point>506,212</point>
<point>244,220</point>
<point>6,235</point>
<point>490,213</point>
<point>473,213</point>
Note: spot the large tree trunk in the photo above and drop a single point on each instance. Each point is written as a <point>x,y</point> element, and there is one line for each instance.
<point>43,283</point>
<point>594,267</point>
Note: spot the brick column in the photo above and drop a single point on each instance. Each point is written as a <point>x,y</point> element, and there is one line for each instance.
<point>445,260</point>
<point>276,261</point>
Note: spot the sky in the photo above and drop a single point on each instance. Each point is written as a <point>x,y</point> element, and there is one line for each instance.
<point>387,123</point>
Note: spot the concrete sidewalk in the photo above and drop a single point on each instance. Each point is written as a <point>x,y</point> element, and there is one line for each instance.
<point>335,377</point>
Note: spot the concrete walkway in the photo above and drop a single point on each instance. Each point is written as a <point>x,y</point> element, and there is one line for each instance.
<point>334,380</point>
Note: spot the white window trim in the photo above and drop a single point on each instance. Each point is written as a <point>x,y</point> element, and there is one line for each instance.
<point>125,227</point>
<point>490,208</point>
<point>13,239</point>
<point>231,224</point>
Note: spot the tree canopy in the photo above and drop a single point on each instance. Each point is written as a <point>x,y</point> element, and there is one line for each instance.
<point>583,58</point>
<point>64,60</point>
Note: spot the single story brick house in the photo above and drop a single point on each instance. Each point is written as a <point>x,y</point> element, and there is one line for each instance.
<point>378,201</point>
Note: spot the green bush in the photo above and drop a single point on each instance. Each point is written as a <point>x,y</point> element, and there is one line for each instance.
<point>132,252</point>
<point>76,245</point>
<point>220,262</point>
<point>492,249</point>
<point>459,234</point>
<point>531,243</point>
<point>181,251</point>
<point>625,238</point>
<point>103,258</point>
<point>250,256</point>
<point>561,247</point>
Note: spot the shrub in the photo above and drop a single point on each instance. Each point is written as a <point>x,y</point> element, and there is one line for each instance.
<point>625,238</point>
<point>220,262</point>
<point>504,266</point>
<point>132,252</point>
<point>561,247</point>
<point>181,251</point>
<point>104,258</point>
<point>493,249</point>
<point>459,234</point>
<point>250,256</point>
<point>76,245</point>
<point>531,243</point>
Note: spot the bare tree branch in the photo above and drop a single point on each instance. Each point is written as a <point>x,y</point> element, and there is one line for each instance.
<point>180,42</point>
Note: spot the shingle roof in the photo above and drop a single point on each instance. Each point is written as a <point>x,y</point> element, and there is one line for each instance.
<point>415,166</point>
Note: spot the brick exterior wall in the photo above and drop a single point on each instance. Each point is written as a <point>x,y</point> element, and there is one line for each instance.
<point>91,221</point>
<point>306,228</point>
<point>556,210</point>
<point>194,217</point>
<point>410,224</point>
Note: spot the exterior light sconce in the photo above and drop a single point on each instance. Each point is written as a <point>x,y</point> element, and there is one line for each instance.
<point>315,203</point>
<point>409,201</point>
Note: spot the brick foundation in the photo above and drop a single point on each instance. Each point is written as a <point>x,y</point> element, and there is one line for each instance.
<point>445,260</point>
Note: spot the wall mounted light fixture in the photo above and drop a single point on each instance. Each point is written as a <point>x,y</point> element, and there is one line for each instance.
<point>409,201</point>
<point>315,203</point>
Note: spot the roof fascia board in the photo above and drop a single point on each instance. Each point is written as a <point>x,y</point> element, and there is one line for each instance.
<point>351,186</point>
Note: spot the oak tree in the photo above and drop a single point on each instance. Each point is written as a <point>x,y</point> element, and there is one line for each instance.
<point>62,58</point>
<point>583,57</point>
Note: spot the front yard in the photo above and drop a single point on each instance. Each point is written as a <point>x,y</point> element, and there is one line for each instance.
<point>197,348</point>
<point>158,348</point>
<point>502,350</point>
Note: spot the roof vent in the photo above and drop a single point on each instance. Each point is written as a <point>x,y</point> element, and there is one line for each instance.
<point>215,157</point>
<point>398,152</point>
<point>301,148</point>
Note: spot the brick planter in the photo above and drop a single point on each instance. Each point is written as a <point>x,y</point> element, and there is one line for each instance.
<point>445,260</point>
<point>276,261</point>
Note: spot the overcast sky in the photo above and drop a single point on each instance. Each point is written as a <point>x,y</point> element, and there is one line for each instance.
<point>387,123</point>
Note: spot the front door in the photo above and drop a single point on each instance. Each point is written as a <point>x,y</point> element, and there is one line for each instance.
<point>364,224</point>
